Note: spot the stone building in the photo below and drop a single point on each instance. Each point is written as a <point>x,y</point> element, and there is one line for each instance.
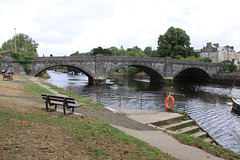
<point>219,53</point>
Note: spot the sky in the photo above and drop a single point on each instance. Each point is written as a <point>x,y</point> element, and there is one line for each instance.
<point>62,27</point>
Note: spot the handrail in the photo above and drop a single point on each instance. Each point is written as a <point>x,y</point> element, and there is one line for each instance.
<point>141,98</point>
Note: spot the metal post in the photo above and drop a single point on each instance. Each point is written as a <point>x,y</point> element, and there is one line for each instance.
<point>184,104</point>
<point>120,105</point>
<point>15,41</point>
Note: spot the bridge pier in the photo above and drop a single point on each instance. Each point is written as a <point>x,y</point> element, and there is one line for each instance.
<point>98,82</point>
<point>168,80</point>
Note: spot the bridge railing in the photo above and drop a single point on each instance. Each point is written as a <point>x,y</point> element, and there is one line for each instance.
<point>154,100</point>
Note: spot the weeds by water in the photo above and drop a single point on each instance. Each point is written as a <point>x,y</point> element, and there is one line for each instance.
<point>208,147</point>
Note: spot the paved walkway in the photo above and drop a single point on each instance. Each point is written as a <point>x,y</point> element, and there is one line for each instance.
<point>157,139</point>
<point>169,145</point>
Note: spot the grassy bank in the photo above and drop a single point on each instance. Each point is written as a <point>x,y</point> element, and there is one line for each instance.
<point>29,132</point>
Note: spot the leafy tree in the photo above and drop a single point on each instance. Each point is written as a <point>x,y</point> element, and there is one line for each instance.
<point>122,51</point>
<point>100,50</point>
<point>114,51</point>
<point>133,70</point>
<point>135,52</point>
<point>230,67</point>
<point>135,49</point>
<point>148,51</point>
<point>175,42</point>
<point>154,53</point>
<point>26,47</point>
<point>194,58</point>
<point>75,54</point>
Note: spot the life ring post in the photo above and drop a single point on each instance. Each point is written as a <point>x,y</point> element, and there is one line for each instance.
<point>166,101</point>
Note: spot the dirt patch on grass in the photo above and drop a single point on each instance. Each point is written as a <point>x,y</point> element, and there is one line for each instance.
<point>13,88</point>
<point>21,138</point>
<point>29,140</point>
<point>19,105</point>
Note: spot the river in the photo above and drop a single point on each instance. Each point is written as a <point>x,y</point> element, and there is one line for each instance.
<point>205,102</point>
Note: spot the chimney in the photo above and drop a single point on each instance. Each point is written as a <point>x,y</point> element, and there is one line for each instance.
<point>216,44</point>
<point>231,48</point>
<point>209,44</point>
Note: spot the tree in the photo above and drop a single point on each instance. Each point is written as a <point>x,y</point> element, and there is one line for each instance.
<point>122,51</point>
<point>175,42</point>
<point>100,50</point>
<point>75,54</point>
<point>26,47</point>
<point>135,52</point>
<point>148,51</point>
<point>230,67</point>
<point>115,51</point>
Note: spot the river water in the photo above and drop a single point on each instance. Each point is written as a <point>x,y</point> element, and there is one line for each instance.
<point>205,102</point>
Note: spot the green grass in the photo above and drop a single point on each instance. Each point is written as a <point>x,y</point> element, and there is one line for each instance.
<point>36,90</point>
<point>209,147</point>
<point>92,132</point>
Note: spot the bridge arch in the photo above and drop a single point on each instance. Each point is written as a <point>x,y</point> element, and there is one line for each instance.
<point>87,73</point>
<point>192,74</point>
<point>153,74</point>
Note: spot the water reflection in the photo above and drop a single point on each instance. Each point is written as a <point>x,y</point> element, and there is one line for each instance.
<point>206,103</point>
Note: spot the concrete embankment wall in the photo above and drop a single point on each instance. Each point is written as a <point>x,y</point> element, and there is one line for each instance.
<point>227,79</point>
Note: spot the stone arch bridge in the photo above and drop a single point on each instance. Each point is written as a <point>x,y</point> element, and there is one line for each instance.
<point>99,67</point>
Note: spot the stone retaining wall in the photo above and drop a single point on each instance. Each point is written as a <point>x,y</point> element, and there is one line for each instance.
<point>227,79</point>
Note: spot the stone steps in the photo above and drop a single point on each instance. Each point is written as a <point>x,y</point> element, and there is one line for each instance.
<point>188,130</point>
<point>178,125</point>
<point>177,118</point>
<point>199,134</point>
<point>209,140</point>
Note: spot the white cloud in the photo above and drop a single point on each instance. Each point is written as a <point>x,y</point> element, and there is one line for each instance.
<point>62,27</point>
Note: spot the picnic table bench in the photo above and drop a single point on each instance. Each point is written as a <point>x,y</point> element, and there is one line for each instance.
<point>66,102</point>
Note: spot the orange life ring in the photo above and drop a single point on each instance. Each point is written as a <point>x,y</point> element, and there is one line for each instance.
<point>166,102</point>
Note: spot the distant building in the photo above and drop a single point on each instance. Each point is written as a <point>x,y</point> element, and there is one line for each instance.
<point>219,53</point>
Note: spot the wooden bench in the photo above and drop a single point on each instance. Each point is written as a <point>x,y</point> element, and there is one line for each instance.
<point>66,102</point>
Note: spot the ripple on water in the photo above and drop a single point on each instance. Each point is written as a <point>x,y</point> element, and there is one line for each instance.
<point>218,120</point>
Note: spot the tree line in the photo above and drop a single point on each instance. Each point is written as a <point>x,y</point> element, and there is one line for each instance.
<point>114,51</point>
<point>174,43</point>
